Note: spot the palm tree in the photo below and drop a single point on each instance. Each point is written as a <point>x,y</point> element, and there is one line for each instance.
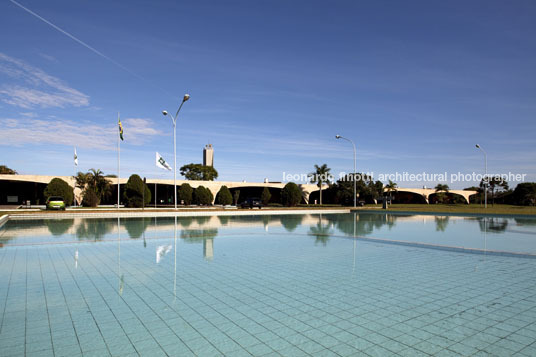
<point>321,232</point>
<point>81,180</point>
<point>98,182</point>
<point>391,187</point>
<point>320,176</point>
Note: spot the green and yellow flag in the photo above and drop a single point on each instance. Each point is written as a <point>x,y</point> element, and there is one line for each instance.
<point>120,129</point>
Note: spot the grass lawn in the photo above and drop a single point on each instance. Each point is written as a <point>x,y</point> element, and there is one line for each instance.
<point>460,208</point>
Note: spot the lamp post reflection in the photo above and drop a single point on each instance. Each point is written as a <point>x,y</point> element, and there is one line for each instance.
<point>175,263</point>
<point>355,242</point>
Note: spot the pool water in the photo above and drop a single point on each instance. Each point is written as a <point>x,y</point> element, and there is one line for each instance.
<point>294,285</point>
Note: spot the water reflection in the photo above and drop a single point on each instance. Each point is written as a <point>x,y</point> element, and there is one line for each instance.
<point>58,227</point>
<point>460,231</point>
<point>94,229</point>
<point>493,224</point>
<point>291,222</point>
<point>361,224</point>
<point>208,249</point>
<point>136,226</point>
<point>120,273</point>
<point>161,251</point>
<point>198,235</point>
<point>441,223</point>
<point>321,231</point>
<point>224,220</point>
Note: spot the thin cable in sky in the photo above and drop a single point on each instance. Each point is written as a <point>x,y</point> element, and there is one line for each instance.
<point>88,46</point>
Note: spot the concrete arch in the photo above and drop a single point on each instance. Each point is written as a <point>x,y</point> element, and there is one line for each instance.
<point>426,192</point>
<point>213,186</point>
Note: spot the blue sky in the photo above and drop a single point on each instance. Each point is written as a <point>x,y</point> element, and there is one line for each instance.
<point>416,84</point>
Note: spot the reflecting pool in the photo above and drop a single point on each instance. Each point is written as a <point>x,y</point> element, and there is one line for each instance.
<point>291,285</point>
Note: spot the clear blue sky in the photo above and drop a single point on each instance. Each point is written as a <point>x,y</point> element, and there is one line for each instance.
<point>416,84</point>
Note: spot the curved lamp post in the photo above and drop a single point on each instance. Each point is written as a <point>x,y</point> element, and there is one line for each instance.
<point>174,119</point>
<point>486,180</point>
<point>355,196</point>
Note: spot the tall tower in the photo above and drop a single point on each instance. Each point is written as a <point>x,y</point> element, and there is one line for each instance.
<point>208,155</point>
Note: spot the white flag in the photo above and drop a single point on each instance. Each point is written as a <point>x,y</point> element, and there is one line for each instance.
<point>160,162</point>
<point>75,158</point>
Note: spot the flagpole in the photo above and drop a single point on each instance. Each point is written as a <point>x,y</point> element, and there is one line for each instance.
<point>118,164</point>
<point>74,177</point>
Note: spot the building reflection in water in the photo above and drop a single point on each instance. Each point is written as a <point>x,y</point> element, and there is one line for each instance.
<point>208,249</point>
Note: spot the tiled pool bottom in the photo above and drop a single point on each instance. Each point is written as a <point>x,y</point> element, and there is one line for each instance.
<point>263,295</point>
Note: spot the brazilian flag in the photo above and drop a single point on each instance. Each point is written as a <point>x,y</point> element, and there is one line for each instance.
<point>120,130</point>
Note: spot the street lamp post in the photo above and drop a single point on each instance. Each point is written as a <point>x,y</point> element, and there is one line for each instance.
<point>355,167</point>
<point>486,177</point>
<point>174,119</point>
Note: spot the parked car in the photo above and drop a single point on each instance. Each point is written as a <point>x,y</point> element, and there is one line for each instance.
<point>251,203</point>
<point>55,202</point>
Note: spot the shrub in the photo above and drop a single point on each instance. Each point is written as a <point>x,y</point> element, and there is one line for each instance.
<point>524,194</point>
<point>58,187</point>
<point>185,193</point>
<point>202,196</point>
<point>224,196</point>
<point>266,196</point>
<point>90,199</point>
<point>291,194</point>
<point>133,194</point>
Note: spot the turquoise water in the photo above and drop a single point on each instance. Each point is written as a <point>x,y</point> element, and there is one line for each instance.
<point>267,285</point>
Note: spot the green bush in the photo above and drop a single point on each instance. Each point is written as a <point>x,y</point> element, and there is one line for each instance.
<point>291,194</point>
<point>185,192</point>
<point>524,194</point>
<point>202,196</point>
<point>266,196</point>
<point>224,196</point>
<point>58,187</point>
<point>90,198</point>
<point>133,194</point>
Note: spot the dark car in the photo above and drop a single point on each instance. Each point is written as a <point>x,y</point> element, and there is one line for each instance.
<point>251,203</point>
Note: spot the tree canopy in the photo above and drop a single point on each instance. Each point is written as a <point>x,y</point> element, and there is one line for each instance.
<point>4,170</point>
<point>185,192</point>
<point>291,194</point>
<point>525,194</point>
<point>266,196</point>
<point>198,172</point>
<point>202,196</point>
<point>367,189</point>
<point>58,187</point>
<point>224,196</point>
<point>95,181</point>
<point>134,192</point>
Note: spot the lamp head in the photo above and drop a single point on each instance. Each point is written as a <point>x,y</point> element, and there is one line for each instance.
<point>186,97</point>
<point>164,112</point>
<point>337,136</point>
<point>477,146</point>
